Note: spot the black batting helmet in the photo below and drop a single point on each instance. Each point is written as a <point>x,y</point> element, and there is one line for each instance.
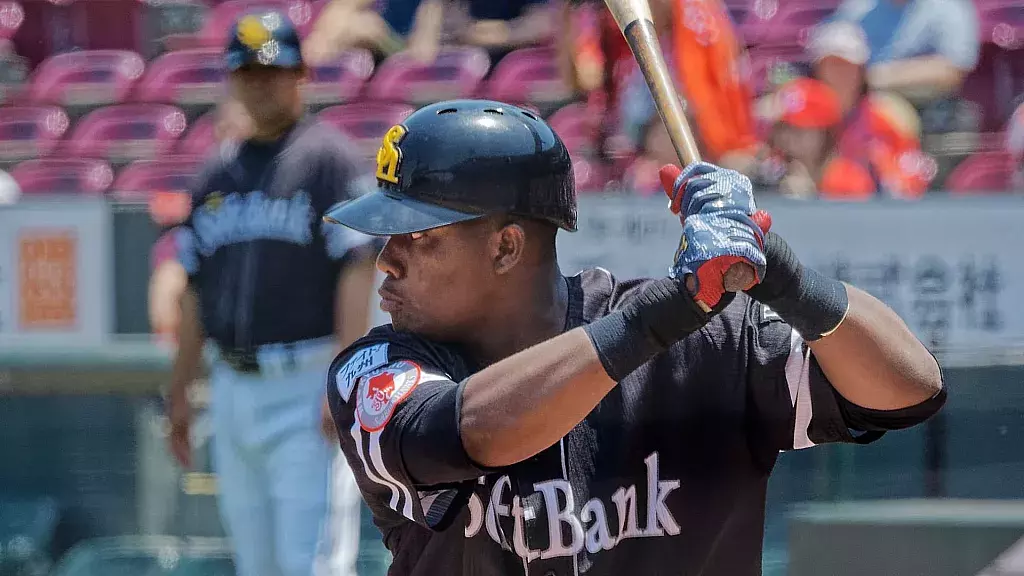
<point>463,159</point>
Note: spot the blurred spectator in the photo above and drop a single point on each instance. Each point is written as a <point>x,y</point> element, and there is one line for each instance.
<point>710,68</point>
<point>655,151</point>
<point>808,161</point>
<point>410,25</point>
<point>921,49</point>
<point>10,192</point>
<point>500,26</point>
<point>1015,146</point>
<point>804,136</point>
<point>871,119</point>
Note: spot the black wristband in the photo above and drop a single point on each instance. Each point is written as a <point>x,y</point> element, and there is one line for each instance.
<point>812,303</point>
<point>661,315</point>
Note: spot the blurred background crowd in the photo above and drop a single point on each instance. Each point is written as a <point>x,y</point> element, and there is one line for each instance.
<point>854,100</point>
<point>810,98</point>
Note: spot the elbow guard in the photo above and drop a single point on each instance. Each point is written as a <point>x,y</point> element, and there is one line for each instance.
<point>868,420</point>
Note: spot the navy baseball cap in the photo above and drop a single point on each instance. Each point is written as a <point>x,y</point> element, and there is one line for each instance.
<point>265,38</point>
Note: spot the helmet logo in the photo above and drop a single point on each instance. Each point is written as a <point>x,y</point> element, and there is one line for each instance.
<point>252,32</point>
<point>390,155</point>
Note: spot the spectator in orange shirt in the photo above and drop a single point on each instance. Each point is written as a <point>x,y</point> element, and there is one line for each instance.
<point>880,125</point>
<point>707,61</point>
<point>805,141</point>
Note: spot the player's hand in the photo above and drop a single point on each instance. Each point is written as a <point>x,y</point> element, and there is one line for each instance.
<point>179,414</point>
<point>327,427</point>
<point>721,227</point>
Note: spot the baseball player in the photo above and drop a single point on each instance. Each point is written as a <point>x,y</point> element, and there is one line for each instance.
<point>513,420</point>
<point>262,271</point>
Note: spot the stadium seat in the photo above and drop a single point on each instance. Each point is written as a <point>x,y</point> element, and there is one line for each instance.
<point>590,175</point>
<point>793,23</point>
<point>528,75</point>
<point>1002,23</point>
<point>12,15</point>
<point>184,78</point>
<point>340,81</point>
<point>222,16</point>
<point>142,178</point>
<point>86,78</point>
<point>127,132</point>
<point>200,138</point>
<point>455,73</point>
<point>365,123</point>
<point>641,178</point>
<point>982,173</point>
<point>30,131</point>
<point>576,127</point>
<point>63,176</point>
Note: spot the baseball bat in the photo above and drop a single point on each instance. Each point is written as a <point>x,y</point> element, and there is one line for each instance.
<point>637,26</point>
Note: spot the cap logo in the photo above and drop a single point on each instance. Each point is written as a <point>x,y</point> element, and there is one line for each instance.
<point>389,156</point>
<point>252,32</point>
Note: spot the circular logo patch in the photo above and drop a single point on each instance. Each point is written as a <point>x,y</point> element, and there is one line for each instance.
<point>382,390</point>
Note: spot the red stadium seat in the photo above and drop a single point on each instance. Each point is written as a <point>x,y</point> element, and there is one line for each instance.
<point>221,17</point>
<point>365,123</point>
<point>1002,23</point>
<point>641,178</point>
<point>200,137</point>
<point>340,81</point>
<point>590,175</point>
<point>982,173</point>
<point>127,132</point>
<point>12,15</point>
<point>455,73</point>
<point>793,23</point>
<point>528,75</point>
<point>86,78</point>
<point>141,179</point>
<point>184,78</point>
<point>576,127</point>
<point>30,131</point>
<point>63,176</point>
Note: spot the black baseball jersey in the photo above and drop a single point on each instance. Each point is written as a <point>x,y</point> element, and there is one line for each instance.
<point>667,475</point>
<point>263,263</point>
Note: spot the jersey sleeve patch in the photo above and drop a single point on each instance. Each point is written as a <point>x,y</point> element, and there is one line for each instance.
<point>362,361</point>
<point>382,390</point>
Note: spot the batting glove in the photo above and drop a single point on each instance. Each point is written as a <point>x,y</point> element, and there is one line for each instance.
<point>721,227</point>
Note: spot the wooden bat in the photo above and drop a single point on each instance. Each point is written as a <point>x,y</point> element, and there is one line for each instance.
<point>637,26</point>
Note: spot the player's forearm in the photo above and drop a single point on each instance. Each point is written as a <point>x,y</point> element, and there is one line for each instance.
<point>864,349</point>
<point>185,368</point>
<point>520,406</point>
<point>516,408</point>
<point>874,360</point>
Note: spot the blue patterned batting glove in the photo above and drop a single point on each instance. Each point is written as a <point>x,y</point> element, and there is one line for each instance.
<point>702,188</point>
<point>721,227</point>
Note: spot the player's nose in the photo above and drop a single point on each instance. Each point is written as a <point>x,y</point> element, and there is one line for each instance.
<point>388,259</point>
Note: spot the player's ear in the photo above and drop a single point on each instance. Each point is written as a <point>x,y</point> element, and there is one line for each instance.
<point>507,247</point>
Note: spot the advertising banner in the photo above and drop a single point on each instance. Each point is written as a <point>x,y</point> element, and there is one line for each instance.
<point>55,273</point>
<point>951,268</point>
